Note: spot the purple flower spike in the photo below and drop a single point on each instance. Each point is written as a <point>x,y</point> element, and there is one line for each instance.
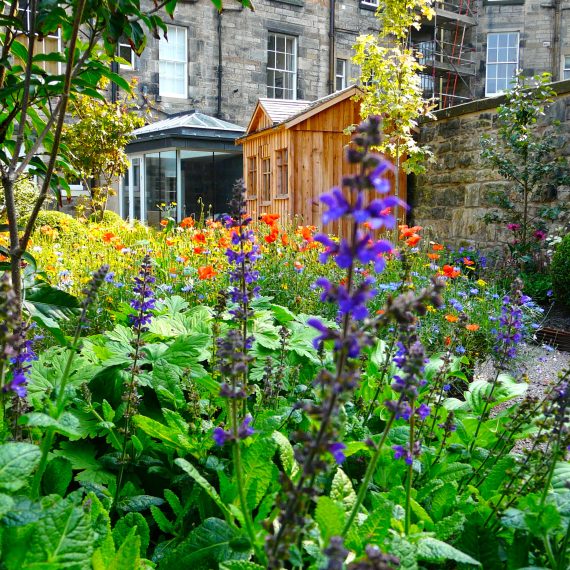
<point>221,436</point>
<point>245,430</point>
<point>423,411</point>
<point>337,451</point>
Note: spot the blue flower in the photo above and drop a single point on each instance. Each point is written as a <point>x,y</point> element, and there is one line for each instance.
<point>337,451</point>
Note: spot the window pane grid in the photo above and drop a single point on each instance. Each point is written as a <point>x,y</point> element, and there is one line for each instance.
<point>502,61</point>
<point>281,159</point>
<point>266,180</point>
<point>281,66</point>
<point>252,177</point>
<point>566,69</point>
<point>340,74</point>
<point>173,63</point>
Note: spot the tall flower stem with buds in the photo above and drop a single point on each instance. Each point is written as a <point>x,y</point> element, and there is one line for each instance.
<point>143,303</point>
<point>90,294</point>
<point>232,351</point>
<point>351,297</point>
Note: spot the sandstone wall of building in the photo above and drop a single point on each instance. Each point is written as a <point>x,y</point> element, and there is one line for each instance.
<point>450,199</point>
<point>240,36</point>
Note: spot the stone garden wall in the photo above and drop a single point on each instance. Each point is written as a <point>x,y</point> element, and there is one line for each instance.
<point>450,199</point>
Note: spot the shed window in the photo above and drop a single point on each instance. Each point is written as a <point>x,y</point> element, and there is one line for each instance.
<point>252,177</point>
<point>502,61</point>
<point>265,179</point>
<point>281,159</point>
<point>173,75</point>
<point>281,66</point>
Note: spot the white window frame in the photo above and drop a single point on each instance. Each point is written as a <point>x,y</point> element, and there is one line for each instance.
<point>508,61</point>
<point>132,65</point>
<point>373,3</point>
<point>566,66</point>
<point>275,69</point>
<point>174,30</point>
<point>343,77</point>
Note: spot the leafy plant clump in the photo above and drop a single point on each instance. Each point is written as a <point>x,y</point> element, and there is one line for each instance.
<point>560,271</point>
<point>26,192</point>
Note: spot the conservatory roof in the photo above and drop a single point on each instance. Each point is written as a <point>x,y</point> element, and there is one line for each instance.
<point>184,130</point>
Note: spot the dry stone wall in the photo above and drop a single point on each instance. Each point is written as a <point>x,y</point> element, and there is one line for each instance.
<point>451,198</point>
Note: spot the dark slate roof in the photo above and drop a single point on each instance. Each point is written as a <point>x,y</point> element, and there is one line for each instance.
<point>189,122</point>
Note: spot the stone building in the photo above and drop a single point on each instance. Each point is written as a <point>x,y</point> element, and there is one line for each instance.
<point>220,64</point>
<point>472,48</point>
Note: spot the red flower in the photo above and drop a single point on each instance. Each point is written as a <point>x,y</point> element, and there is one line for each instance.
<point>269,219</point>
<point>187,223</point>
<point>450,272</point>
<point>206,272</point>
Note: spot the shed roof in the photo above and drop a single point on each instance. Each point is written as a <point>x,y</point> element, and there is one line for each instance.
<point>291,112</point>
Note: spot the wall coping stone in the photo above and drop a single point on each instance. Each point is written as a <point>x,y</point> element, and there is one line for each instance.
<point>560,87</point>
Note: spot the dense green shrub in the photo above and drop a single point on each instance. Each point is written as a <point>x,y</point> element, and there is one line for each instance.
<point>560,271</point>
<point>109,218</point>
<point>26,193</point>
<point>538,286</point>
<point>59,221</point>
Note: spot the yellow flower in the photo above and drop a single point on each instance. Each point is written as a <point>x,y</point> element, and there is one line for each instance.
<point>430,309</point>
<point>481,283</point>
<point>284,286</point>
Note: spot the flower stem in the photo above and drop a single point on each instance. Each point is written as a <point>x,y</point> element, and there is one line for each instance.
<point>410,475</point>
<point>367,478</point>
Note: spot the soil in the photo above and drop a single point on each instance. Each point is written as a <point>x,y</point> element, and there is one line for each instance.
<point>557,317</point>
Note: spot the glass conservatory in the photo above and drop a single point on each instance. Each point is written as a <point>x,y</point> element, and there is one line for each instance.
<point>182,166</point>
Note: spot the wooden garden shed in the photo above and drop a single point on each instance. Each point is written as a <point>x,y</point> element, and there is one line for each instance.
<point>293,151</point>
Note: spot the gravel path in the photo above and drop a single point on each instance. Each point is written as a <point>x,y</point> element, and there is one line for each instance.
<point>537,365</point>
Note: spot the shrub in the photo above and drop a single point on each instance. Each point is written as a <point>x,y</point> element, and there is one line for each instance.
<point>109,218</point>
<point>560,271</point>
<point>538,286</point>
<point>26,193</point>
<point>59,221</point>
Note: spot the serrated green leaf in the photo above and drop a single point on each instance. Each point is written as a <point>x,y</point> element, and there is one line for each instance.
<point>174,502</point>
<point>434,550</point>
<point>188,468</point>
<point>450,526</point>
<point>63,539</point>
<point>57,476</point>
<point>138,503</point>
<point>286,454</point>
<point>160,519</point>
<point>170,436</point>
<point>259,470</point>
<point>211,543</point>
<point>330,517</point>
<point>17,462</point>
<point>239,565</point>
<point>6,504</point>
<point>342,490</point>
<point>125,527</point>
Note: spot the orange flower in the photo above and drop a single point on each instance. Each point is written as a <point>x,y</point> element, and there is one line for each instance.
<point>3,257</point>
<point>380,311</point>
<point>451,318</point>
<point>163,223</point>
<point>169,242</point>
<point>198,250</point>
<point>406,231</point>
<point>298,265</point>
<point>450,272</point>
<point>433,256</point>
<point>223,242</point>
<point>119,246</point>
<point>187,223</point>
<point>284,239</point>
<point>437,247</point>
<point>108,237</point>
<point>413,240</point>
<point>306,232</point>
<point>472,327</point>
<point>269,219</point>
<point>447,340</point>
<point>206,272</point>
<point>468,261</point>
<point>272,236</point>
<point>199,237</point>
<point>172,271</point>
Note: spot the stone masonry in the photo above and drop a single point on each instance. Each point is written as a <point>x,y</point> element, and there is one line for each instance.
<point>450,199</point>
<point>242,42</point>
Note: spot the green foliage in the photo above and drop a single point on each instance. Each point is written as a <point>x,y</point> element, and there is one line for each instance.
<point>560,271</point>
<point>538,286</point>
<point>530,158</point>
<point>26,192</point>
<point>60,221</point>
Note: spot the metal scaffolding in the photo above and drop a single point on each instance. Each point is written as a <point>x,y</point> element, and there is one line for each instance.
<point>445,46</point>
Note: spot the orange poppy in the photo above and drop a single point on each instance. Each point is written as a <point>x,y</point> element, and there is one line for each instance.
<point>468,261</point>
<point>472,327</point>
<point>187,223</point>
<point>380,311</point>
<point>298,265</point>
<point>198,250</point>
<point>450,272</point>
<point>413,240</point>
<point>437,247</point>
<point>406,231</point>
<point>108,237</point>
<point>206,272</point>
<point>284,239</point>
<point>451,318</point>
<point>163,222</point>
<point>269,219</point>
<point>199,237</point>
<point>119,246</point>
<point>169,242</point>
<point>447,340</point>
<point>433,256</point>
<point>272,236</point>
<point>306,232</point>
